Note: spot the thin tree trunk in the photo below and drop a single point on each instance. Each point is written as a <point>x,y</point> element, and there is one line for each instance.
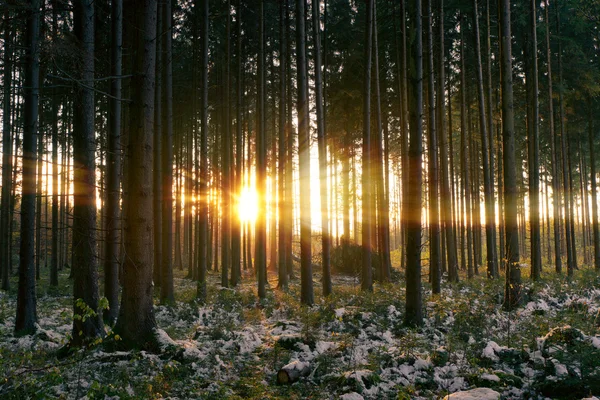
<point>488,184</point>
<point>26,316</point>
<point>239,150</point>
<point>157,160</point>
<point>261,163</point>
<point>513,268</point>
<point>565,166</point>
<point>413,193</point>
<point>7,157</point>
<point>465,154</point>
<point>307,296</point>
<point>166,287</point>
<point>202,241</point>
<point>281,156</point>
<point>434,218</point>
<point>321,139</point>
<point>367,205</point>
<point>111,263</point>
<point>553,150</point>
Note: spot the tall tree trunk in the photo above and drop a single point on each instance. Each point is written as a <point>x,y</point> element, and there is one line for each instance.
<point>136,323</point>
<point>565,165</point>
<point>491,133</point>
<point>326,238</point>
<point>281,156</point>
<point>383,230</point>
<point>413,192</point>
<point>290,140</point>
<point>203,240</point>
<point>446,173</point>
<point>404,125</point>
<point>592,144</point>
<point>553,150</point>
<point>306,296</point>
<point>488,184</point>
<point>261,163</point>
<point>111,263</point>
<point>166,287</point>
<point>513,269</point>
<point>227,162</point>
<point>239,150</point>
<point>534,148</point>
<point>55,230</point>
<point>85,262</point>
<point>26,317</point>
<point>157,183</point>
<point>464,159</point>
<point>434,218</point>
<point>7,157</point>
<point>367,193</point>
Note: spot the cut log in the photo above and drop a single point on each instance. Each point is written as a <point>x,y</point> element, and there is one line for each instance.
<point>291,372</point>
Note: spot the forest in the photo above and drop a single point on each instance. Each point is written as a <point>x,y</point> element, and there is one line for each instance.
<point>299,199</point>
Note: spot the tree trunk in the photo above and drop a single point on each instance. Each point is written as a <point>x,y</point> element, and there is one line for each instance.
<point>26,317</point>
<point>203,241</point>
<point>565,167</point>
<point>111,263</point>
<point>7,157</point>
<point>157,146</point>
<point>85,262</point>
<point>446,173</point>
<point>464,158</point>
<point>136,322</point>
<point>434,219</point>
<point>166,287</point>
<point>513,269</point>
<point>413,195</point>
<point>553,150</point>
<point>367,192</point>
<point>326,239</point>
<point>488,184</point>
<point>383,230</point>
<point>307,296</point>
<point>261,163</point>
<point>281,156</point>
<point>239,150</point>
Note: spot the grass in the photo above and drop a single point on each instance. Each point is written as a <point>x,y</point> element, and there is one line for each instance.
<point>459,319</point>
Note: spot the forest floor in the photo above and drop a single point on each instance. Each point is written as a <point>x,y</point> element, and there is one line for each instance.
<point>354,343</point>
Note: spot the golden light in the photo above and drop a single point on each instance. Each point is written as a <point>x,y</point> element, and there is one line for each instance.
<point>248,205</point>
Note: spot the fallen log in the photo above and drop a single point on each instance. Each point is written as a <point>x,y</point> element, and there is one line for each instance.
<point>293,371</point>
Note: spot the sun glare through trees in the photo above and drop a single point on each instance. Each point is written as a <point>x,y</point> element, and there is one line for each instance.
<point>299,199</point>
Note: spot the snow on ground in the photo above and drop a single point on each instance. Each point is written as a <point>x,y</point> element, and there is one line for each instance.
<point>356,347</point>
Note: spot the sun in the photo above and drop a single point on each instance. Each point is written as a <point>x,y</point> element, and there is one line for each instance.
<point>248,205</point>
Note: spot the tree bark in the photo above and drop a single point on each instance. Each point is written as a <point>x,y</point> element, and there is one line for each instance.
<point>166,287</point>
<point>594,194</point>
<point>261,163</point>
<point>7,157</point>
<point>488,184</point>
<point>306,296</point>
<point>513,269</point>
<point>413,193</point>
<point>85,261</point>
<point>136,323</point>
<point>26,316</point>
<point>111,263</point>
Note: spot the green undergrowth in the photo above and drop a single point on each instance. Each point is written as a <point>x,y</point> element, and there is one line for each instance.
<point>460,318</point>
